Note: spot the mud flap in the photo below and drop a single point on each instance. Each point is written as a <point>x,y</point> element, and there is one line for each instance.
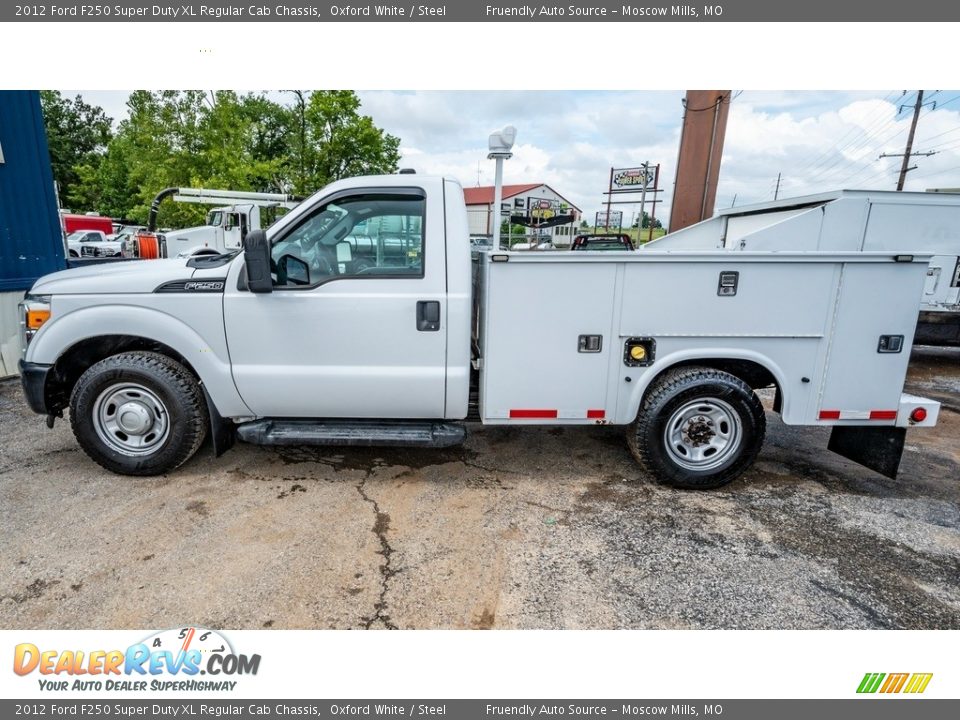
<point>879,449</point>
<point>222,433</point>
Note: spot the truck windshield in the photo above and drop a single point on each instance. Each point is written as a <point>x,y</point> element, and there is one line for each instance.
<point>215,218</point>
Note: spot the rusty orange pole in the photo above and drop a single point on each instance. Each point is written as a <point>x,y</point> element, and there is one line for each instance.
<point>698,163</point>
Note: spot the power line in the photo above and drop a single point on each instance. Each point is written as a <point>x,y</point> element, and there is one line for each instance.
<point>857,144</point>
<point>862,134</point>
<point>881,143</point>
<point>849,136</point>
<point>938,172</point>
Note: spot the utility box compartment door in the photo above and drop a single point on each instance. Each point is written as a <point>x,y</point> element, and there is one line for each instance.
<point>537,364</point>
<point>870,350</point>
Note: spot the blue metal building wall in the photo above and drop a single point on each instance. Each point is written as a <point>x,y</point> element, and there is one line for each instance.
<point>31,243</point>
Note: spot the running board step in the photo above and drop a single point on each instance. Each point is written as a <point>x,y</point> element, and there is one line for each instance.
<point>358,433</point>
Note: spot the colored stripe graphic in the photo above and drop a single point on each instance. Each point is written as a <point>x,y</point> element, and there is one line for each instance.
<point>894,682</point>
<point>870,682</point>
<point>918,682</point>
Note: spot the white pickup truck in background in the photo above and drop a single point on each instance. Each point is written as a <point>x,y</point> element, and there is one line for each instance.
<point>356,320</point>
<point>93,243</point>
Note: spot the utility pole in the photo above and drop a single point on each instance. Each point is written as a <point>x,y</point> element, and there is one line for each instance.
<point>643,198</point>
<point>908,151</point>
<point>776,193</point>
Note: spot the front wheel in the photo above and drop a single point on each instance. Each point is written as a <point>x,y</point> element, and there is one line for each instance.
<point>138,413</point>
<point>698,428</point>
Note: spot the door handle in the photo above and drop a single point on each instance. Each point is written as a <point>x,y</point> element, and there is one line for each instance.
<point>428,315</point>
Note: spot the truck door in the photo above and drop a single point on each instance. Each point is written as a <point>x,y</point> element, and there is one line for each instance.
<point>234,228</point>
<point>347,332</point>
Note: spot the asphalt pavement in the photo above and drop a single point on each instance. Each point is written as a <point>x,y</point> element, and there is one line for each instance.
<point>519,528</point>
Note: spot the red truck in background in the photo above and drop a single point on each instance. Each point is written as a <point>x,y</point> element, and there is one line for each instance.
<point>72,223</point>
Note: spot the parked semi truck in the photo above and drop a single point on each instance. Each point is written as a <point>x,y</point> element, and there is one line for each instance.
<point>224,229</point>
<point>853,220</point>
<point>293,340</point>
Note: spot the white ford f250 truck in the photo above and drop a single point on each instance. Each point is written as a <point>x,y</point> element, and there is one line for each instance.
<point>356,320</point>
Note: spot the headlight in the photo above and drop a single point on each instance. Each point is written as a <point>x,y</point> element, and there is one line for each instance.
<point>34,312</point>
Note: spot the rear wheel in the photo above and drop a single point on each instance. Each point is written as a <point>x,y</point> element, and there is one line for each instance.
<point>138,413</point>
<point>698,428</point>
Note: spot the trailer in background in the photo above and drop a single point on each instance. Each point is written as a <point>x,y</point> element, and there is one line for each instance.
<point>31,243</point>
<point>74,222</point>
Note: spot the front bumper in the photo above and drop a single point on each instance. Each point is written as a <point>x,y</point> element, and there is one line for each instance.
<point>33,378</point>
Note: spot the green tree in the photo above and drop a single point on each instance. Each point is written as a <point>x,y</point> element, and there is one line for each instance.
<point>230,141</point>
<point>77,135</point>
<point>341,142</point>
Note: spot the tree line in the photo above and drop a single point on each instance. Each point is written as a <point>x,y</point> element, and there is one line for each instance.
<point>209,139</point>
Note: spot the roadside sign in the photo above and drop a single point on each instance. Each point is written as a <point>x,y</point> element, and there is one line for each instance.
<point>632,178</point>
<point>611,218</point>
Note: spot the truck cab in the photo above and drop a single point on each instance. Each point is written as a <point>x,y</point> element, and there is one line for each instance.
<point>224,231</point>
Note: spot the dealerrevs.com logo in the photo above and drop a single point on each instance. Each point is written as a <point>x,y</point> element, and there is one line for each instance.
<point>169,660</point>
<point>890,683</point>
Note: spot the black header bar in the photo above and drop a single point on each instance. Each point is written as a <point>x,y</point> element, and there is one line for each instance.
<point>853,11</point>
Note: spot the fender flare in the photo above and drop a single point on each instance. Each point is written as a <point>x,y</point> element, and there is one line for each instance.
<point>707,355</point>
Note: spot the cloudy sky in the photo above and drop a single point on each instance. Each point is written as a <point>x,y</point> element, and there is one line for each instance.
<point>818,140</point>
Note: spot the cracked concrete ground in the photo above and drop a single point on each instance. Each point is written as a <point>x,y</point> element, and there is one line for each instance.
<point>520,528</point>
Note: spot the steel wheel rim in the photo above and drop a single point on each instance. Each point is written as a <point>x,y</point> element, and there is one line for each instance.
<point>703,434</point>
<point>131,419</point>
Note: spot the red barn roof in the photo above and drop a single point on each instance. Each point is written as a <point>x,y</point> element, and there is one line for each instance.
<point>484,195</point>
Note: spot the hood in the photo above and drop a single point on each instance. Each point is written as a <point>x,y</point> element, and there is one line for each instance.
<point>191,238</point>
<point>137,276</point>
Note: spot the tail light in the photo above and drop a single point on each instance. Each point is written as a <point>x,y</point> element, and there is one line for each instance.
<point>918,415</point>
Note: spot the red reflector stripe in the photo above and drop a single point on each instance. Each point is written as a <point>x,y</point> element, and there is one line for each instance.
<point>829,414</point>
<point>596,414</point>
<point>533,413</point>
<point>883,414</point>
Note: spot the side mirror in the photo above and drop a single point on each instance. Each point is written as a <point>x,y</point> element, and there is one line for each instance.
<point>292,270</point>
<point>256,259</point>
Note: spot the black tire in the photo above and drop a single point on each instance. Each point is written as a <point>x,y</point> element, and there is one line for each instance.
<point>702,409</point>
<point>158,393</point>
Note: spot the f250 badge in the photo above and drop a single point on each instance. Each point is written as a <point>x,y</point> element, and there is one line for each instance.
<point>203,286</point>
<point>177,286</point>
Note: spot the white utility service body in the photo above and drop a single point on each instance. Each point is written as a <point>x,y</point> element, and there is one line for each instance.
<point>852,220</point>
<point>356,319</point>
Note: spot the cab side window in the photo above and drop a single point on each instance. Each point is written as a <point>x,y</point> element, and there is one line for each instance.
<point>367,235</point>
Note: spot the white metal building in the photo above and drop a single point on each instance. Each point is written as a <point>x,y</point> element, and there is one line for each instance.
<point>517,200</point>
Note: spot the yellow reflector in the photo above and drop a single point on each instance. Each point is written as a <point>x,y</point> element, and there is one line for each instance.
<point>638,352</point>
<point>36,318</point>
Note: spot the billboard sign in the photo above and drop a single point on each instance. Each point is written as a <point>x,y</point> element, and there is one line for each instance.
<point>632,178</point>
<point>612,218</point>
